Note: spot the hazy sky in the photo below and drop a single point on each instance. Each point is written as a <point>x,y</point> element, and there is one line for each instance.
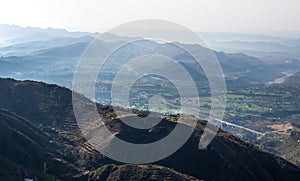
<point>198,15</point>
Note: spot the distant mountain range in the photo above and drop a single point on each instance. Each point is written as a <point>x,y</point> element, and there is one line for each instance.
<point>51,55</point>
<point>12,34</point>
<point>51,60</point>
<point>41,140</point>
<point>28,48</point>
<point>272,49</point>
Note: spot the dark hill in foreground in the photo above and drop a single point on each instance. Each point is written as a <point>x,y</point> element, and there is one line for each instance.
<point>112,172</point>
<point>54,138</point>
